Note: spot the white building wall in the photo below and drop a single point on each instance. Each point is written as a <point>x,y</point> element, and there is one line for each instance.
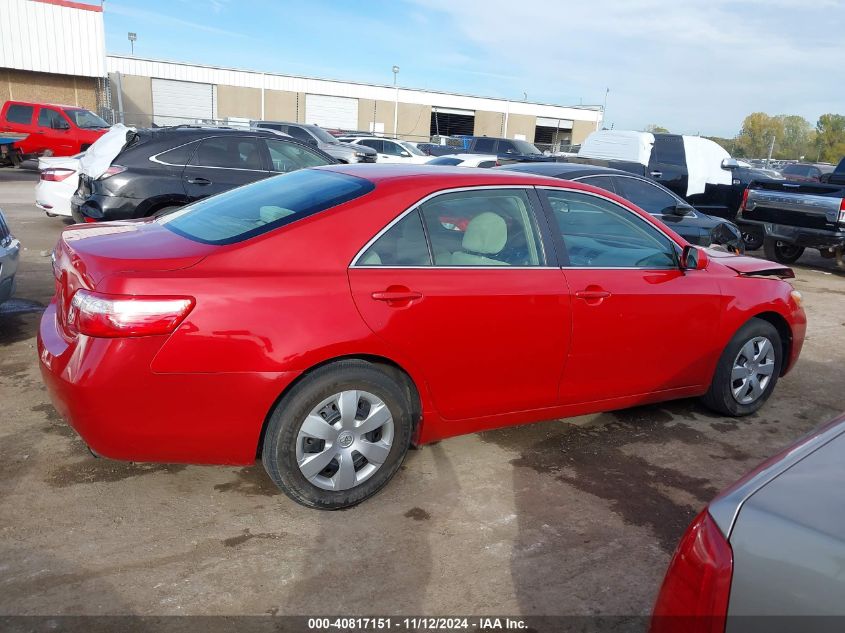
<point>251,79</point>
<point>40,36</point>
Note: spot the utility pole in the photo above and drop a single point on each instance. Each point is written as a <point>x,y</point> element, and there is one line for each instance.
<point>132,37</point>
<point>395,103</point>
<point>771,149</point>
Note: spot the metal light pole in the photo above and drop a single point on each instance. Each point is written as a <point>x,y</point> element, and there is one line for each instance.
<point>132,38</point>
<point>395,102</point>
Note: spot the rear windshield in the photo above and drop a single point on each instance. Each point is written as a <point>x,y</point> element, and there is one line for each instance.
<point>248,211</point>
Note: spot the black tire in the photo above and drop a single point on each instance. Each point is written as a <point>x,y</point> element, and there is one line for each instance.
<point>280,438</point>
<point>781,252</point>
<point>720,396</point>
<point>753,239</point>
<point>163,211</point>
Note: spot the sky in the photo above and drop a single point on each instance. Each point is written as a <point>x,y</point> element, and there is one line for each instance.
<point>692,66</point>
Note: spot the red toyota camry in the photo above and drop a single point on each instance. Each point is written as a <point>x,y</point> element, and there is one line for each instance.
<point>327,318</point>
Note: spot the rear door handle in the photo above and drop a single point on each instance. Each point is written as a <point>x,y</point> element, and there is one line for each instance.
<point>396,295</point>
<point>199,181</point>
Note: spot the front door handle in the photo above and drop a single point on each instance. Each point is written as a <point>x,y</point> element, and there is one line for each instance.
<point>199,181</point>
<point>593,295</point>
<point>395,296</point>
<point>657,174</point>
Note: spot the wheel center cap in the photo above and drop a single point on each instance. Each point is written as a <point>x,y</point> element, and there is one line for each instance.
<point>345,439</point>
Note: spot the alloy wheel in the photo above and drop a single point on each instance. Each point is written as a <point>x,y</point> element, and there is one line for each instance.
<point>752,370</point>
<point>344,440</point>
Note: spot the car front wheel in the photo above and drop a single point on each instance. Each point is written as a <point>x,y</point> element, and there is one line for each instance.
<point>338,436</point>
<point>748,370</point>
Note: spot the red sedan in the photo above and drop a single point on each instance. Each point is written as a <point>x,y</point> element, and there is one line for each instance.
<point>328,318</point>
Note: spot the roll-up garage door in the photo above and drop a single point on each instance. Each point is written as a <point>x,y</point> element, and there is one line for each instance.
<point>451,121</point>
<point>181,102</point>
<point>337,113</point>
<point>552,132</point>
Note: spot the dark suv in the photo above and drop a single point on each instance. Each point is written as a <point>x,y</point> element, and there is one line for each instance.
<point>161,169</point>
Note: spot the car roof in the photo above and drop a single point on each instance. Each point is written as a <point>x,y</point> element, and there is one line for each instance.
<point>39,103</point>
<point>444,177</point>
<point>204,130</point>
<point>564,170</point>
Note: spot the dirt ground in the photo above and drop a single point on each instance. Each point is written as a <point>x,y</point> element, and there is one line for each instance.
<point>575,516</point>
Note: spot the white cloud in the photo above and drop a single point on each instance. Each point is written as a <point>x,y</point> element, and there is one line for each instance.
<point>691,65</point>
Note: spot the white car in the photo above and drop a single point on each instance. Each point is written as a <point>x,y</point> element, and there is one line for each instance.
<point>389,150</point>
<point>465,160</point>
<point>59,179</point>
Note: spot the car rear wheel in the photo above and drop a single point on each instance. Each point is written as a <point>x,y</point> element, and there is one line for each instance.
<point>748,370</point>
<point>753,238</point>
<point>338,436</point>
<point>781,252</point>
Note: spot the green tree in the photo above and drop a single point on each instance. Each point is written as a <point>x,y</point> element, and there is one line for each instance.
<point>756,135</point>
<point>830,137</point>
<point>656,129</point>
<point>798,138</point>
<point>728,144</point>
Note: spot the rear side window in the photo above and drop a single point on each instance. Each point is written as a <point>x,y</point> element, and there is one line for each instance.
<point>403,244</point>
<point>178,155</point>
<point>238,152</point>
<point>19,114</point>
<point>485,145</point>
<point>242,213</point>
<point>669,149</point>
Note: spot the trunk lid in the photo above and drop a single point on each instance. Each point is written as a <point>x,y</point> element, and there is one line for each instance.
<point>751,266</point>
<point>810,205</point>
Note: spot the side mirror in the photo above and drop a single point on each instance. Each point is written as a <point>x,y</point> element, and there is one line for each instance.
<point>730,163</point>
<point>682,209</point>
<point>313,141</point>
<point>693,258</point>
<point>405,154</point>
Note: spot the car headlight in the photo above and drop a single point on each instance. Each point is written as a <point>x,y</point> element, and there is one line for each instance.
<point>360,154</point>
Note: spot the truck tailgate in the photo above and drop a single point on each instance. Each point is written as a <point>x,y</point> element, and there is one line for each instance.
<point>813,206</point>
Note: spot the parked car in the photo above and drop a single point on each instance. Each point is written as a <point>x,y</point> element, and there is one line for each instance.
<point>158,170</point>
<point>389,150</point>
<point>52,130</point>
<point>695,168</point>
<point>798,215</point>
<point>695,227</point>
<point>764,555</point>
<point>807,172</point>
<point>335,306</point>
<point>9,255</point>
<point>465,160</point>
<point>507,150</point>
<point>59,178</point>
<point>319,138</point>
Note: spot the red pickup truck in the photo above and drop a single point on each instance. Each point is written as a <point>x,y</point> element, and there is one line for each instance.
<point>52,130</point>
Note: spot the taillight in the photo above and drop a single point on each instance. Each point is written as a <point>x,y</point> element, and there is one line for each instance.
<point>842,212</point>
<point>56,174</point>
<point>97,314</point>
<point>744,199</point>
<point>695,591</point>
<point>112,171</point>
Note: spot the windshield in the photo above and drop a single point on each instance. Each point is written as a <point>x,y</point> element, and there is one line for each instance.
<point>245,212</point>
<point>411,148</point>
<point>525,147</point>
<point>86,119</point>
<point>322,135</point>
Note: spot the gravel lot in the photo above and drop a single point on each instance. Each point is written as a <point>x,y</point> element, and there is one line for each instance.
<point>575,516</point>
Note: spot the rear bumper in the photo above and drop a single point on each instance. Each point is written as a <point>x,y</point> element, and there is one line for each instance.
<point>123,410</point>
<point>801,236</point>
<point>104,208</point>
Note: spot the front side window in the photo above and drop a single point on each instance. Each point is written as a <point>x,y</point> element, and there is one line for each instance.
<point>244,212</point>
<point>403,244</point>
<point>287,156</point>
<point>48,117</point>
<point>483,227</point>
<point>234,152</point>
<point>506,147</point>
<point>646,196</point>
<point>392,149</point>
<point>597,233</point>
<point>19,114</point>
<point>299,133</point>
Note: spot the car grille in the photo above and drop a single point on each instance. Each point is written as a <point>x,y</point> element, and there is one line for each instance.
<point>369,158</point>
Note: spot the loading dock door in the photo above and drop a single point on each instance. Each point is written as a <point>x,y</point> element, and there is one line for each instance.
<point>553,132</point>
<point>335,113</point>
<point>451,121</point>
<point>181,102</point>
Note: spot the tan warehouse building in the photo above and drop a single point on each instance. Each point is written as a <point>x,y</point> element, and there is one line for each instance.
<point>44,59</point>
